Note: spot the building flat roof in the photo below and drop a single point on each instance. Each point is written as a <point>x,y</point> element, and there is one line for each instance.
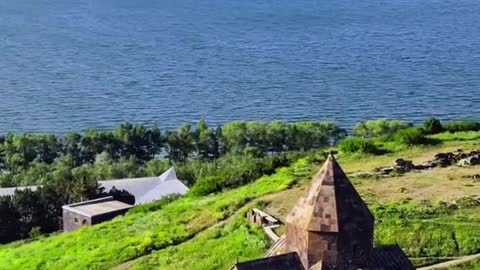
<point>97,207</point>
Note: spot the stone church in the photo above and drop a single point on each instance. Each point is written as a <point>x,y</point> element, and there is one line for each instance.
<point>330,228</point>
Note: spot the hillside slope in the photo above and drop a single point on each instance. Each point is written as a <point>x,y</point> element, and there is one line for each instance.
<point>137,234</point>
<point>435,231</point>
<point>439,229</point>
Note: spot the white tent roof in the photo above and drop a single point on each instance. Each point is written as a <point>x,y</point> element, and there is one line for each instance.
<point>149,189</point>
<point>145,190</point>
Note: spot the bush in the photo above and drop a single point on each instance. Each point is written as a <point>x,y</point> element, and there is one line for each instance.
<point>155,206</point>
<point>432,126</point>
<point>459,126</point>
<point>207,186</point>
<point>358,145</point>
<point>380,128</point>
<point>411,136</point>
<point>234,171</point>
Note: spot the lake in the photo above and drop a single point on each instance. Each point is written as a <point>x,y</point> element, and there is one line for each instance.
<point>69,65</point>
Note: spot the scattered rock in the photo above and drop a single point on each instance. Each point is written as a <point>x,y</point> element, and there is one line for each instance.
<point>364,175</point>
<point>475,177</point>
<point>470,161</point>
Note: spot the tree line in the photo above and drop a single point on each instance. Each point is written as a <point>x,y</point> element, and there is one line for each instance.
<point>26,159</point>
<point>207,159</point>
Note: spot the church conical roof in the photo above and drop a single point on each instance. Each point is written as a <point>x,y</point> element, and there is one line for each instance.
<point>331,203</point>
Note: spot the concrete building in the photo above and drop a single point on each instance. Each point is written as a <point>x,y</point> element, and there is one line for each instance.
<point>89,213</point>
<point>330,228</point>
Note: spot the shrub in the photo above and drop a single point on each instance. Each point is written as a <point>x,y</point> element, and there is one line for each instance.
<point>35,232</point>
<point>207,186</point>
<point>411,136</point>
<point>380,128</point>
<point>155,206</point>
<point>432,126</point>
<point>459,126</point>
<point>358,145</point>
<point>234,171</point>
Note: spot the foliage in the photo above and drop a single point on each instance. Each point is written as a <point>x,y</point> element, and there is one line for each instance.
<point>134,150</point>
<point>432,126</point>
<point>418,229</point>
<point>29,213</point>
<point>473,265</point>
<point>137,234</point>
<point>380,128</point>
<point>358,145</point>
<point>237,241</point>
<point>461,126</point>
<point>235,171</point>
<point>458,136</point>
<point>411,136</point>
<point>426,230</point>
<point>155,206</point>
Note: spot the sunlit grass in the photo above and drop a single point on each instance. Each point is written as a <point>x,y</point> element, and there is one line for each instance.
<point>135,235</point>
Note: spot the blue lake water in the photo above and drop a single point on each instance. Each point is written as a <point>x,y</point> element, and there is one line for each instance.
<point>68,65</point>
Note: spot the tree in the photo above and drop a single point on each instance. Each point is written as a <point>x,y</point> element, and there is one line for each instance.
<point>9,218</point>
<point>27,204</point>
<point>257,138</point>
<point>277,134</point>
<point>235,136</point>
<point>432,126</point>
<point>206,142</point>
<point>154,142</point>
<point>180,144</point>
<point>47,148</point>
<point>18,152</point>
<point>72,147</point>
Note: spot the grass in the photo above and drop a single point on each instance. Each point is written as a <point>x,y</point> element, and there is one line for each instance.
<point>444,235</point>
<point>418,154</point>
<point>135,235</point>
<point>421,231</point>
<point>458,136</point>
<point>473,265</point>
<point>237,241</point>
<point>441,184</point>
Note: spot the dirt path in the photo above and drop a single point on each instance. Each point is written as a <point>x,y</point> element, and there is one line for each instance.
<point>445,265</point>
<point>129,264</point>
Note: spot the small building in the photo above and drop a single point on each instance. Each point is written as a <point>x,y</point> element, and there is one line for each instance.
<point>330,228</point>
<point>89,213</point>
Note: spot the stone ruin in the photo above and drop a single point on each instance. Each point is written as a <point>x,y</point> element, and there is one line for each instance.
<point>442,160</point>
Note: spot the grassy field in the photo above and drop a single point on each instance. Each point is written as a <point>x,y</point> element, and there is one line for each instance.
<point>126,238</point>
<point>426,229</point>
<point>407,208</point>
<point>426,232</point>
<point>219,248</point>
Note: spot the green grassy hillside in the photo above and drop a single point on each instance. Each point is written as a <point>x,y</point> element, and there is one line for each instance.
<point>126,238</point>
<point>211,233</point>
<point>428,230</point>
